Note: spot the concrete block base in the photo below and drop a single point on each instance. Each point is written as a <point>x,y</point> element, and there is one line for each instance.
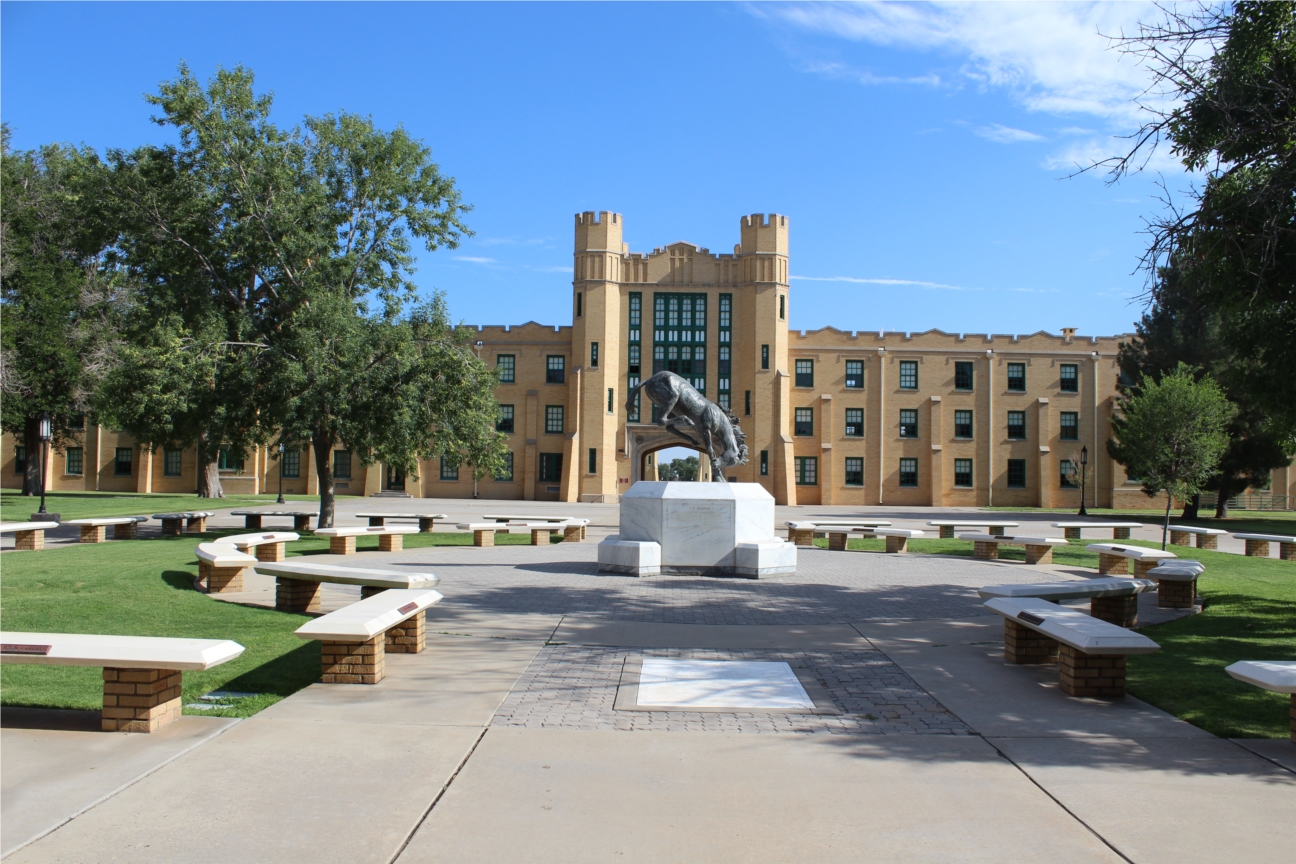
<point>1112,565</point>
<point>1091,674</point>
<point>30,541</point>
<point>270,552</point>
<point>1023,645</point>
<point>757,560</point>
<point>140,700</point>
<point>1121,611</point>
<point>341,545</point>
<point>483,538</point>
<point>296,595</point>
<point>354,662</point>
<point>632,557</point>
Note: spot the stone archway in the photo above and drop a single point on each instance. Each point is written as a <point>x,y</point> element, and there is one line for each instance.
<point>645,439</point>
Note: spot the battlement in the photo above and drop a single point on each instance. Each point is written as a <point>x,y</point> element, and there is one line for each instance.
<point>599,231</point>
<point>764,234</point>
<point>938,340</point>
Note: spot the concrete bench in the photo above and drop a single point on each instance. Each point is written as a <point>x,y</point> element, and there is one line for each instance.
<point>1257,545</point>
<point>483,532</point>
<point>803,532</point>
<point>221,567</point>
<point>356,639</point>
<point>252,518</point>
<point>194,523</point>
<point>1039,550</point>
<point>28,536</point>
<point>947,526</point>
<point>342,541</point>
<point>540,531</point>
<point>1113,599</point>
<point>1176,583</point>
<point>1207,538</point>
<point>1113,559</point>
<point>96,530</point>
<point>1120,530</point>
<point>297,582</point>
<point>268,546</point>
<point>426,521</point>
<point>1090,652</point>
<point>1276,676</point>
<point>517,517</point>
<point>141,674</point>
<point>897,539</point>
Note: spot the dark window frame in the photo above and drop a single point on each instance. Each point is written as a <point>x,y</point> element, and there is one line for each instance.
<point>341,459</point>
<point>80,461</point>
<point>1073,428</point>
<point>1016,474</point>
<point>854,419</point>
<point>129,462</point>
<point>908,374</point>
<point>552,411</point>
<point>507,371</point>
<point>1069,383</point>
<point>764,463</point>
<point>800,426</point>
<point>964,375</point>
<point>908,421</point>
<point>909,472</point>
<point>1016,383</point>
<point>966,475</point>
<point>555,372</point>
<point>853,472</point>
<point>290,465</point>
<point>506,424</point>
<point>168,455</point>
<point>807,470</point>
<point>804,378</point>
<point>964,430</point>
<point>855,374</point>
<point>505,475</point>
<point>550,468</point>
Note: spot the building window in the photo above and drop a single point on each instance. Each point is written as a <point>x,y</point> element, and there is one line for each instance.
<point>1017,377</point>
<point>764,463</point>
<point>289,468</point>
<point>963,375</point>
<point>854,471</point>
<point>908,422</point>
<point>782,307</point>
<point>807,470</point>
<point>1068,473</point>
<point>578,304</point>
<point>341,464</point>
<point>75,459</point>
<point>805,373</point>
<point>854,422</point>
<point>505,421</point>
<point>963,472</point>
<point>722,399</point>
<point>962,424</point>
<point>229,461</point>
<point>908,472</point>
<point>855,374</point>
<point>550,467</point>
<point>505,364</point>
<point>1016,473</point>
<point>764,356</point>
<point>636,322</point>
<point>593,355</point>
<point>1017,425</point>
<point>171,462</point>
<point>908,374</point>
<point>1070,378</point>
<point>804,424</point>
<point>122,464</point>
<point>593,460</point>
<point>505,474</point>
<point>449,467</point>
<point>609,408</point>
<point>679,336</point>
<point>553,419</point>
<point>726,325</point>
<point>20,460</point>
<point>747,403</point>
<point>1069,426</point>
<point>555,368</point>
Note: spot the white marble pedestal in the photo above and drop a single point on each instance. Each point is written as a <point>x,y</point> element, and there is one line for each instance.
<point>713,529</point>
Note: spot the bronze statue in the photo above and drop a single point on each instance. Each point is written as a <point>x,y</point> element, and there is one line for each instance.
<point>681,404</point>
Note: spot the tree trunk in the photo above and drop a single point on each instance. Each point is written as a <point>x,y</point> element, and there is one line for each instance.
<point>323,443</point>
<point>1221,506</point>
<point>209,483</point>
<point>32,445</point>
<point>1165,528</point>
<point>1191,507</point>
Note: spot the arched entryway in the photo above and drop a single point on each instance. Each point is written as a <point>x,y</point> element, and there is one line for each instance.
<point>646,440</point>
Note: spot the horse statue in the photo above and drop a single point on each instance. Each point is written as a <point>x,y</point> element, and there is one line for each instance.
<point>680,404</point>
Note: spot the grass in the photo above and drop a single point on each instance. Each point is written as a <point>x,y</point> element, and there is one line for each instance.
<point>16,507</point>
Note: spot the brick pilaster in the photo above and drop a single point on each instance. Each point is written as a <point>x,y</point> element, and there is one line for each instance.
<point>353,662</point>
<point>1091,674</point>
<point>1121,611</point>
<point>1023,645</point>
<point>140,700</point>
<point>296,595</point>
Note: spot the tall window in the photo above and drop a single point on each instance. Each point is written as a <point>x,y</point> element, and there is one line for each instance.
<point>908,422</point>
<point>804,424</point>
<point>555,369</point>
<point>1016,473</point>
<point>505,473</point>
<point>855,374</point>
<point>807,470</point>
<point>854,471</point>
<point>1067,470</point>
<point>20,460</point>
<point>610,397</point>
<point>290,467</point>
<point>908,374</point>
<point>341,464</point>
<point>724,370</point>
<point>1017,425</point>
<point>505,363</point>
<point>962,424</point>
<point>1017,377</point>
<point>764,463</point>
<point>553,419</point>
<point>228,460</point>
<point>854,422</point>
<point>805,373</point>
<point>747,403</point>
<point>505,422</point>
<point>593,355</point>
<point>123,463</point>
<point>579,309</point>
<point>908,472</point>
<point>963,472</point>
<point>593,460</point>
<point>172,460</point>
<point>679,336</point>
<point>764,356</point>
<point>75,459</point>
<point>963,375</point>
<point>782,306</point>
<point>1069,426</point>
<point>1070,375</point>
<point>550,467</point>
<point>633,352</point>
<point>449,467</point>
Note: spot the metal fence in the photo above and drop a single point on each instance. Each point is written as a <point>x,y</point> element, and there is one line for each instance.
<point>1253,501</point>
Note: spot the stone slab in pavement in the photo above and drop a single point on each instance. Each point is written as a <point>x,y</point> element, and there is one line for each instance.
<point>824,637</point>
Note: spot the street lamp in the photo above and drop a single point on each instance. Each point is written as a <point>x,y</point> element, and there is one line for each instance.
<point>281,458</point>
<point>1084,464</point>
<point>44,432</point>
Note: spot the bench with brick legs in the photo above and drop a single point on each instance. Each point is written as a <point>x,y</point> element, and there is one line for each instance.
<point>517,517</point>
<point>141,674</point>
<point>1257,545</point>
<point>426,521</point>
<point>574,530</point>
<point>897,539</point>
<point>803,532</point>
<point>1039,550</point>
<point>1276,676</point>
<point>356,639</point>
<point>342,541</point>
<point>1207,538</point>
<point>1090,652</point>
<point>1176,583</point>
<point>1113,559</point>
<point>1120,530</point>
<point>268,546</point>
<point>947,526</point>
<point>297,582</point>
<point>483,532</point>
<point>221,567</point>
<point>28,536</point>
<point>1113,599</point>
<point>252,518</point>
<point>194,523</point>
<point>540,531</point>
<point>96,530</point>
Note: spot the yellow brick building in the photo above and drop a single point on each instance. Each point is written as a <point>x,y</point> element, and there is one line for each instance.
<point>831,416</point>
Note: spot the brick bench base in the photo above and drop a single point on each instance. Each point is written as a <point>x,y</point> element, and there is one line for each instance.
<point>221,580</point>
<point>126,531</point>
<point>1121,611</point>
<point>341,545</point>
<point>897,544</point>
<point>1091,674</point>
<point>270,552</point>
<point>1039,554</point>
<point>1293,718</point>
<point>1176,595</point>
<point>426,525</point>
<point>983,551</point>
<point>1180,538</point>
<point>540,536</point>
<point>296,595</point>
<point>94,533</point>
<point>1120,533</point>
<point>573,533</point>
<point>391,542</point>
<point>1287,551</point>
<point>1023,645</point>
<point>29,541</point>
<point>483,538</point>
<point>1207,541</point>
<point>837,542</point>
<point>197,525</point>
<point>1112,565</point>
<point>301,523</point>
<point>800,537</point>
<point>140,700</point>
<point>353,662</point>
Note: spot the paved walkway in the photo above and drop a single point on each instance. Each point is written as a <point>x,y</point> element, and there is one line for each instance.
<point>501,743</point>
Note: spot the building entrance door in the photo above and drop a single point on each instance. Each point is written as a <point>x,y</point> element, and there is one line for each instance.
<point>395,479</point>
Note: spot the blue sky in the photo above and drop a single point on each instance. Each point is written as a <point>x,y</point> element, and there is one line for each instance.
<point>920,150</point>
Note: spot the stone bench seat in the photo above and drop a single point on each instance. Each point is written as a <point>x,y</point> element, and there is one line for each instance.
<point>572,530</point>
<point>141,674</point>
<point>28,536</point>
<point>499,517</point>
<point>802,532</point>
<point>267,546</point>
<point>1207,538</point>
<point>426,521</point>
<point>483,532</point>
<point>221,567</point>
<point>356,639</point>
<point>1276,676</point>
<point>1120,530</point>
<point>194,523</point>
<point>252,518</point>
<point>1113,559</point>
<point>948,526</point>
<point>1176,583</point>
<point>1257,545</point>
<point>1039,550</point>
<point>1113,599</point>
<point>342,541</point>
<point>897,539</point>
<point>1090,652</point>
<point>297,582</point>
<point>96,530</point>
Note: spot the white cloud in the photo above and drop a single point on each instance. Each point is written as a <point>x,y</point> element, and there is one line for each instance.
<point>567,268</point>
<point>860,281</point>
<point>864,76</point>
<point>475,259</point>
<point>1006,134</point>
<point>508,241</point>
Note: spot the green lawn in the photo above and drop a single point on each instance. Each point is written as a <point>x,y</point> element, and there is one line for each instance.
<point>15,507</point>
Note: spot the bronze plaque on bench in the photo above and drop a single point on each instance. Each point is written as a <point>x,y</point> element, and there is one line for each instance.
<point>18,648</point>
<point>408,607</point>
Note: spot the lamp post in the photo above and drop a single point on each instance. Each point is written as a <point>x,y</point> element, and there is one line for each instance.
<point>281,458</point>
<point>44,433</point>
<point>1084,465</point>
